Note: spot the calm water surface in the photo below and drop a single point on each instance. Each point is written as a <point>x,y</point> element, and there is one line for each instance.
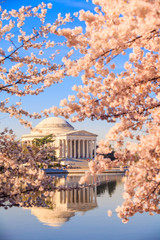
<point>79,214</point>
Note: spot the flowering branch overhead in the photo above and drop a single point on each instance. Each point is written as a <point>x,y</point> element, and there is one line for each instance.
<point>116,56</point>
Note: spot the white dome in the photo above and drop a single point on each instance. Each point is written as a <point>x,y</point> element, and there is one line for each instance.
<point>53,125</point>
<point>50,217</point>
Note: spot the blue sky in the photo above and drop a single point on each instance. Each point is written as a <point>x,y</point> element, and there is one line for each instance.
<point>53,95</point>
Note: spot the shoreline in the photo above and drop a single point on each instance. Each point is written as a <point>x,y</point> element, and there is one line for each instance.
<point>80,171</point>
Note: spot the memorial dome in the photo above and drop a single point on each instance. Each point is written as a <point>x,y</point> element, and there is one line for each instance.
<point>53,125</point>
<point>50,217</point>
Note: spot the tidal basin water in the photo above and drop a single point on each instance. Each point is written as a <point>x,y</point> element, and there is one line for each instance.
<point>79,214</point>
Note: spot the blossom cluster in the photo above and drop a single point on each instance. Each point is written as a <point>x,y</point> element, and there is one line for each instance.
<point>23,68</point>
<point>129,31</point>
<point>20,173</point>
<point>129,97</point>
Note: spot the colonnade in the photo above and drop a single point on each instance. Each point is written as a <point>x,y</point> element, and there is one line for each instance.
<point>77,148</point>
<point>77,196</point>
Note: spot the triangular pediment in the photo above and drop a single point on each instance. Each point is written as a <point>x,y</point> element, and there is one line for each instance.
<point>80,133</point>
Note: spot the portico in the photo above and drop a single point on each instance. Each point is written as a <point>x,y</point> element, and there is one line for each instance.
<point>77,145</point>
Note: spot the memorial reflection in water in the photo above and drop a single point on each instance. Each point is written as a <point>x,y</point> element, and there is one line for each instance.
<point>65,203</point>
<point>74,214</point>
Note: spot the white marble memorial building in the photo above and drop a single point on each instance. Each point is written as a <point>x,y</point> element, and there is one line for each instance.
<point>69,143</point>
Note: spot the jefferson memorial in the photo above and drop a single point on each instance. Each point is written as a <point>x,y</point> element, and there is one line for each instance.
<point>70,144</point>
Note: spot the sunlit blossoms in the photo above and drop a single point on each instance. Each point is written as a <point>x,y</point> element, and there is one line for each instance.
<point>129,31</point>
<point>127,95</point>
<point>24,70</point>
<point>20,173</point>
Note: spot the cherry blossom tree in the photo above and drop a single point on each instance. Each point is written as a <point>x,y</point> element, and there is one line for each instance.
<point>25,71</point>
<point>129,31</point>
<point>22,182</point>
<point>126,30</point>
<point>19,173</point>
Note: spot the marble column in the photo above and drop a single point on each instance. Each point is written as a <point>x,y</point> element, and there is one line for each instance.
<point>74,148</point>
<point>88,195</point>
<point>94,149</point>
<point>83,196</point>
<point>83,155</point>
<point>71,196</point>
<point>91,195</point>
<point>79,196</point>
<point>67,197</point>
<point>60,148</point>
<point>79,148</point>
<point>60,196</point>
<point>70,148</point>
<point>87,147</point>
<point>91,149</point>
<point>64,148</point>
<point>67,148</point>
<point>75,196</point>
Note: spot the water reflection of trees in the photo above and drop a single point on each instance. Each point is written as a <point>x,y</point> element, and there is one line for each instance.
<point>106,186</point>
<point>64,204</point>
<point>54,208</point>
